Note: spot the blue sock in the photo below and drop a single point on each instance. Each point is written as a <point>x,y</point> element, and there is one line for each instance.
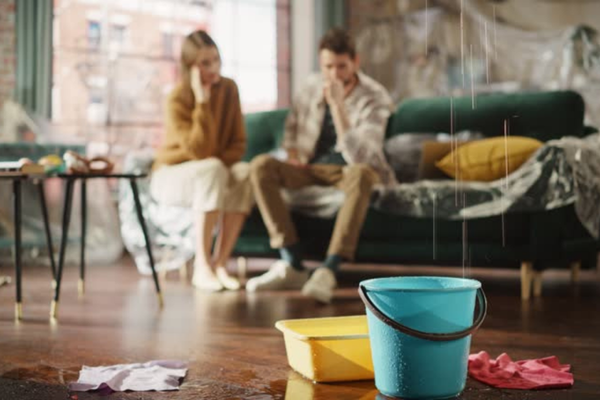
<point>332,262</point>
<point>292,255</point>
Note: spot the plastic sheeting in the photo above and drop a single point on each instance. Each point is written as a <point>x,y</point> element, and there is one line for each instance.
<point>170,228</point>
<point>562,172</point>
<point>443,51</point>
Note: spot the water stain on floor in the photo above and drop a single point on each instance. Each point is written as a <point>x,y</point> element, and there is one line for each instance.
<point>44,373</point>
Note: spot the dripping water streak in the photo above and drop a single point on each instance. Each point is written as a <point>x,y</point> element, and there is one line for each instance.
<point>487,60</point>
<point>434,227</point>
<point>462,42</point>
<point>426,29</point>
<point>453,147</point>
<point>495,42</point>
<point>472,82</point>
<point>464,234</point>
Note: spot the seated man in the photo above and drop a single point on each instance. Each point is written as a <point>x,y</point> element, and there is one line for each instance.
<point>333,137</point>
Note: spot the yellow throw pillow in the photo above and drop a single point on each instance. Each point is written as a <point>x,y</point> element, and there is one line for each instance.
<point>485,160</point>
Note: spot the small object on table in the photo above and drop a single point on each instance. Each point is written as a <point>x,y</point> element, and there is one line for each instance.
<point>22,167</point>
<point>101,165</point>
<point>52,164</point>
<point>25,161</point>
<point>77,164</point>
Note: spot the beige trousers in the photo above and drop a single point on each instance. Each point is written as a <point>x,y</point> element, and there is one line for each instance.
<point>204,185</point>
<point>269,175</point>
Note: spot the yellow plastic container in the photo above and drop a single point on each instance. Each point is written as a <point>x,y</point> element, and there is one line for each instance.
<point>329,349</point>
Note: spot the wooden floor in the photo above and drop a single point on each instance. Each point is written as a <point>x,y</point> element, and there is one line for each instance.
<point>235,352</point>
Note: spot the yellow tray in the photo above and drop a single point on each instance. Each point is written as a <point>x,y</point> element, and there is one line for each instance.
<point>329,349</point>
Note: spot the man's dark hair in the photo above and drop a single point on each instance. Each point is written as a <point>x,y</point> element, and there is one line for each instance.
<point>338,41</point>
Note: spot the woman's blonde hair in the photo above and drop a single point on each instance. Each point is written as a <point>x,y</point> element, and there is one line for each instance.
<point>192,43</point>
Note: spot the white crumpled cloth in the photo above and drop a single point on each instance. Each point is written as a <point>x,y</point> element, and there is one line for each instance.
<point>154,375</point>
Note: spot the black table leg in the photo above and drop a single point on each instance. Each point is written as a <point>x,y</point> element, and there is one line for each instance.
<point>66,219</point>
<point>17,222</point>
<point>81,286</point>
<point>44,207</point>
<point>140,215</point>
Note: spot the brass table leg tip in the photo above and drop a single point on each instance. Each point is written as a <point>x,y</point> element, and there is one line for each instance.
<point>18,311</point>
<point>161,302</point>
<point>81,287</point>
<point>53,309</point>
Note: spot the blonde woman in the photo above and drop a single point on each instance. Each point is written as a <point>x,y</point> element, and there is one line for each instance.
<point>199,164</point>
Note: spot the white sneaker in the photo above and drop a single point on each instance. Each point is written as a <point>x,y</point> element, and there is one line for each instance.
<point>280,276</point>
<point>320,286</point>
<point>206,281</point>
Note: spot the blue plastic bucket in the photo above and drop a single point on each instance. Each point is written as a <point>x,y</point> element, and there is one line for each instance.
<point>420,331</point>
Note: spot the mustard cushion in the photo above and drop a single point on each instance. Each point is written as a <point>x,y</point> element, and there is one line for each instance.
<point>485,160</point>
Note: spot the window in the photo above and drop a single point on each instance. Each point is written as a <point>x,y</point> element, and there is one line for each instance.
<point>94,34</point>
<point>95,97</point>
<point>254,41</point>
<point>115,61</point>
<point>118,34</point>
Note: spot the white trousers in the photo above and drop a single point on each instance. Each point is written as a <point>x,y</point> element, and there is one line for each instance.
<point>204,185</point>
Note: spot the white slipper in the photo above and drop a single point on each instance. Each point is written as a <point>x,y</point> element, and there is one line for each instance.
<point>228,281</point>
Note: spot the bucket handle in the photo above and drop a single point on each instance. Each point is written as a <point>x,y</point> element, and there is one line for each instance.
<point>437,337</point>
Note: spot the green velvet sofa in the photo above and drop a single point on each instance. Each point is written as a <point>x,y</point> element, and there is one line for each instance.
<point>533,241</point>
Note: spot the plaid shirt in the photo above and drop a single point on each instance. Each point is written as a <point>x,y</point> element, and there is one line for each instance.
<point>368,106</point>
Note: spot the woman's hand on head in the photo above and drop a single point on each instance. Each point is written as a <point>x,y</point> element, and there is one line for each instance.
<point>201,90</point>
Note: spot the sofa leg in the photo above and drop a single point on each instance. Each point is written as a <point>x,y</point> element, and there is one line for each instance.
<point>242,268</point>
<point>575,269</point>
<point>537,283</point>
<point>526,279</point>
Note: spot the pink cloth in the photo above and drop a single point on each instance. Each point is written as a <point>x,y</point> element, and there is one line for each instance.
<point>543,373</point>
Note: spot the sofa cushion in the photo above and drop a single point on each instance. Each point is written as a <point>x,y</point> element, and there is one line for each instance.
<point>488,159</point>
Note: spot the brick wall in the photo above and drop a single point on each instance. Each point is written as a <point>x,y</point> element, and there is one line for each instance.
<point>7,49</point>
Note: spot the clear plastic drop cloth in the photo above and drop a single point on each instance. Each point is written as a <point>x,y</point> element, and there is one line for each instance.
<point>443,51</point>
<point>560,173</point>
<point>170,229</point>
